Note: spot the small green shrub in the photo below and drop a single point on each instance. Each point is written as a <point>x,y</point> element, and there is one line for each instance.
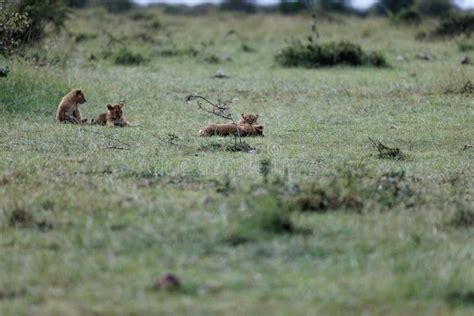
<point>463,218</point>
<point>156,25</point>
<point>465,47</point>
<point>455,24</point>
<point>138,15</point>
<point>406,16</point>
<point>126,57</point>
<point>247,48</point>
<point>267,217</point>
<point>82,37</point>
<point>314,55</point>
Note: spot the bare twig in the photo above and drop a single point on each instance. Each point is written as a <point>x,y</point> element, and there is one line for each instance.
<point>121,144</point>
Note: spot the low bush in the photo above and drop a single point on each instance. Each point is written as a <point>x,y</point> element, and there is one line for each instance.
<point>355,190</point>
<point>406,16</point>
<point>14,27</point>
<point>465,46</point>
<point>40,14</point>
<point>463,218</point>
<point>266,217</point>
<point>456,24</point>
<point>127,57</point>
<point>314,55</point>
<point>155,25</point>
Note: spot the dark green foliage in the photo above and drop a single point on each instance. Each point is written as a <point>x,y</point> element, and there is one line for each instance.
<point>463,218</point>
<point>138,15</point>
<point>21,217</point>
<point>355,189</point>
<point>244,6</point>
<point>406,16</point>
<point>82,37</point>
<point>395,6</point>
<point>247,48</point>
<point>314,55</point>
<point>117,6</point>
<point>264,168</point>
<point>41,14</point>
<point>230,147</point>
<point>461,298</point>
<point>456,24</point>
<point>330,5</point>
<point>266,217</point>
<point>292,7</point>
<point>156,24</point>
<point>127,57</point>
<point>465,46</point>
<point>14,27</point>
<point>77,3</point>
<point>433,7</point>
<point>385,152</point>
<point>4,71</point>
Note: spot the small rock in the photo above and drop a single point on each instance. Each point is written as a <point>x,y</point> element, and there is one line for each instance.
<point>220,74</point>
<point>169,281</point>
<point>424,56</point>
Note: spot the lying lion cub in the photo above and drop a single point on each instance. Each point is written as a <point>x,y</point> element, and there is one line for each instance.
<point>113,117</point>
<point>247,126</point>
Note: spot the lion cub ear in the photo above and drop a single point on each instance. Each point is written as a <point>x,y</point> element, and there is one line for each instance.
<point>78,91</point>
<point>110,107</point>
<point>256,116</point>
<point>242,114</point>
<point>121,105</point>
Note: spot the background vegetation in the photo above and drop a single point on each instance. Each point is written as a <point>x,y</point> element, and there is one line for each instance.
<point>317,219</point>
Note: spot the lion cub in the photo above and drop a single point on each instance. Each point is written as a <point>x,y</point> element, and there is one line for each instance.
<point>248,119</point>
<point>247,126</point>
<point>68,109</point>
<point>113,117</point>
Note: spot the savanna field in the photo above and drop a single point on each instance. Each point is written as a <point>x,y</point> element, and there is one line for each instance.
<point>314,220</point>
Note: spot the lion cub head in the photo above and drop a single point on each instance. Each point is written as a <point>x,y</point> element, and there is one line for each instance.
<point>248,119</point>
<point>116,111</point>
<point>78,96</point>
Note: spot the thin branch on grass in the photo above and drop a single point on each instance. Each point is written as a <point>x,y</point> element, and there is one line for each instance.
<point>119,144</point>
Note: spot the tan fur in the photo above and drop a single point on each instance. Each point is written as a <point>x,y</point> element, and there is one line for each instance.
<point>248,119</point>
<point>68,108</point>
<point>113,117</point>
<point>230,129</point>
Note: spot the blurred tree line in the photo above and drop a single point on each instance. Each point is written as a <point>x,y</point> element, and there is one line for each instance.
<point>24,21</point>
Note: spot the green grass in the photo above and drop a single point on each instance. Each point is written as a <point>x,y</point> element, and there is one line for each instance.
<point>90,216</point>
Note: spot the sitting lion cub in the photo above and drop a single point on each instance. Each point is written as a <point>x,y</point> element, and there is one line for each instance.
<point>247,126</point>
<point>113,117</point>
<point>68,108</point>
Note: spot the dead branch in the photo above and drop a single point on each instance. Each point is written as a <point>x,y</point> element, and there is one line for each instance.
<point>120,144</point>
<point>386,152</point>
